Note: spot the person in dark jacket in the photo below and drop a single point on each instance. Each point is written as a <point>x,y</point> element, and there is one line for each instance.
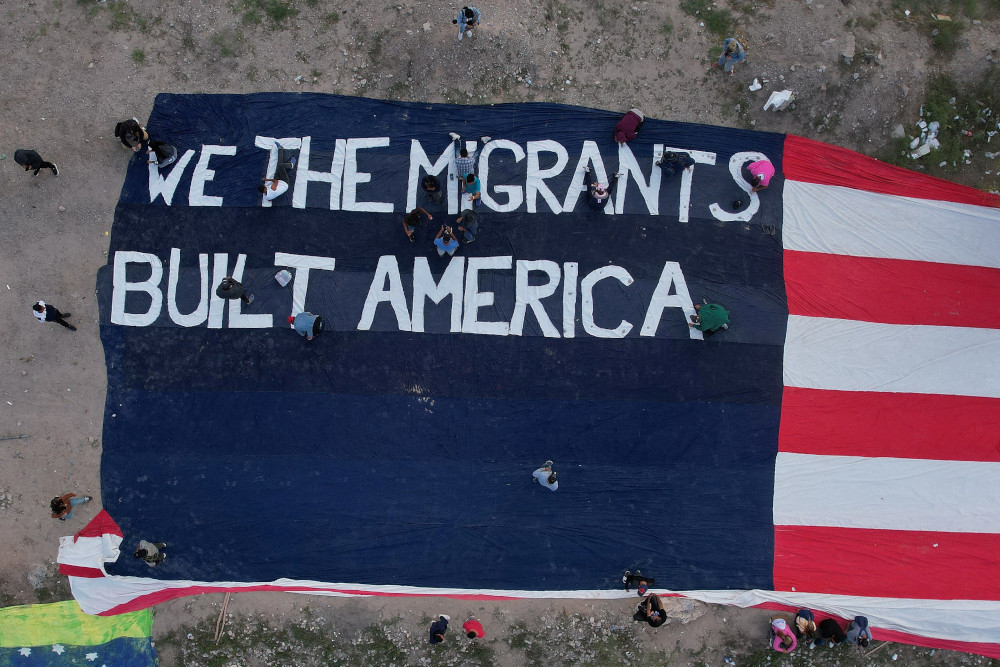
<point>48,313</point>
<point>432,187</point>
<point>598,195</point>
<point>830,633</point>
<point>438,628</point>
<point>671,163</point>
<point>131,133</point>
<point>629,126</point>
<point>230,288</point>
<point>29,159</point>
<point>652,610</point>
<point>162,153</point>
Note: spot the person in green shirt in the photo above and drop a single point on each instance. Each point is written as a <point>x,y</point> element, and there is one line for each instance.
<point>709,318</point>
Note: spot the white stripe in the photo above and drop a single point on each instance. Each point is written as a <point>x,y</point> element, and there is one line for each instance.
<point>954,620</point>
<point>886,493</point>
<point>846,355</point>
<point>844,221</point>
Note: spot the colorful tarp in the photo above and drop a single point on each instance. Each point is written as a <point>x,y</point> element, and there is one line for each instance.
<point>61,634</point>
<point>800,457</point>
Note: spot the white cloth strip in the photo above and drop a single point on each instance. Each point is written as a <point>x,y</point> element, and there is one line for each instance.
<point>886,493</point>
<point>843,221</point>
<point>953,620</point>
<point>847,355</point>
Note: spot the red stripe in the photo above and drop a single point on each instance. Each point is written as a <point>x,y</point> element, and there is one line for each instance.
<point>815,162</point>
<point>886,563</point>
<point>101,524</point>
<point>892,291</point>
<point>908,426</point>
<point>80,571</point>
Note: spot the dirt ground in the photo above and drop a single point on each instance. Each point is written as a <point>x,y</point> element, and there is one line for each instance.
<point>76,67</point>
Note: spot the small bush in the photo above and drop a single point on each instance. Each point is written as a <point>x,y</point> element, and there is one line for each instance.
<point>945,35</point>
<point>138,56</point>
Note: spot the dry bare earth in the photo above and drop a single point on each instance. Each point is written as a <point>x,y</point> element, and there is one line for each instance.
<point>73,69</point>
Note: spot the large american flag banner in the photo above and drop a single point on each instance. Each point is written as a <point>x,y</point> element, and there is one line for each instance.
<point>835,448</point>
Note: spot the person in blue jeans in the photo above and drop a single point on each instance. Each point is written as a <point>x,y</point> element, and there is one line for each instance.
<point>467,19</point>
<point>464,164</point>
<point>468,224</point>
<point>732,53</point>
<point>62,506</point>
<point>445,241</point>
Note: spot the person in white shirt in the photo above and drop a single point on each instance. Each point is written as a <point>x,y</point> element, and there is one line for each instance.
<point>546,477</point>
<point>277,186</point>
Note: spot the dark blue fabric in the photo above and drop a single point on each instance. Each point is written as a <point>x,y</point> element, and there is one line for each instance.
<point>391,457</point>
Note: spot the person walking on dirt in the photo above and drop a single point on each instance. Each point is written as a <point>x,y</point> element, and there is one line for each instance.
<point>30,159</point>
<point>131,133</point>
<point>45,312</point>
<point>467,20</point>
<point>62,506</point>
<point>732,53</point>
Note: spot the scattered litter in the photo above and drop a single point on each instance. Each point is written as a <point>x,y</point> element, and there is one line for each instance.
<point>941,17</point>
<point>943,163</point>
<point>895,655</point>
<point>755,86</point>
<point>906,11</point>
<point>283,277</point>
<point>915,143</point>
<point>779,100</point>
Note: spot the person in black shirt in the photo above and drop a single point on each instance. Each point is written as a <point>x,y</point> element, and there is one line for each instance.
<point>652,610</point>
<point>433,189</point>
<point>131,133</point>
<point>29,159</point>
<point>438,628</point>
<point>162,153</point>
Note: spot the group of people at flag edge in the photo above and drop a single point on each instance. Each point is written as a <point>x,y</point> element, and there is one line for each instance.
<point>784,634</point>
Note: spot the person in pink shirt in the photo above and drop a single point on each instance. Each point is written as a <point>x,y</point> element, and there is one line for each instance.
<point>761,173</point>
<point>782,638</point>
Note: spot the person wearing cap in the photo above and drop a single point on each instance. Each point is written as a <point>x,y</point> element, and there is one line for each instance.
<point>598,195</point>
<point>306,324</point>
<point>473,629</point>
<point>546,477</point>
<point>468,224</point>
<point>761,173</point>
<point>638,577</point>
<point>46,312</point>
<point>782,639</point>
<point>629,126</point>
<point>438,628</point>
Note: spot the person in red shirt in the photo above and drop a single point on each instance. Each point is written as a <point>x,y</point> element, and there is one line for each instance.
<point>473,629</point>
